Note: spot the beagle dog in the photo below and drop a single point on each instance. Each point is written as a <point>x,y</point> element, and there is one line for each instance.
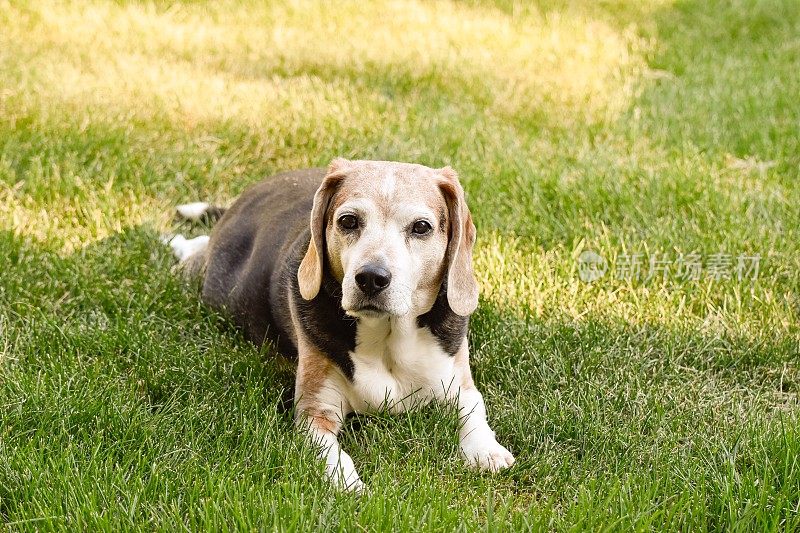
<point>363,273</point>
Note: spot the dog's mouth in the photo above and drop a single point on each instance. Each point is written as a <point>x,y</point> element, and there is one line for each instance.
<point>368,310</point>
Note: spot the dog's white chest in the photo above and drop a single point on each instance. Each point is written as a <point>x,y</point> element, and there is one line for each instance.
<point>398,366</point>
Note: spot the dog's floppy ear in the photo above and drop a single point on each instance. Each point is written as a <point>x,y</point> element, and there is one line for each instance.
<point>462,289</point>
<point>309,275</point>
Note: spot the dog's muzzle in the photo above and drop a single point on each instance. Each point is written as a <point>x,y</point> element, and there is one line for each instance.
<point>372,279</point>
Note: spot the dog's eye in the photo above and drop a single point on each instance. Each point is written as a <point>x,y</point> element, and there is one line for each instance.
<point>348,222</point>
<point>420,227</point>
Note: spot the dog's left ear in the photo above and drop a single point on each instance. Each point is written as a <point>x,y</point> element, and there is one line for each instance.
<point>462,289</point>
<point>309,275</point>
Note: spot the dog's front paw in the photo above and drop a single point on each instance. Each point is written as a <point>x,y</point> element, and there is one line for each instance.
<point>342,473</point>
<point>485,453</point>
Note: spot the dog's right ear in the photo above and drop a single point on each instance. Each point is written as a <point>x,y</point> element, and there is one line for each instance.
<point>309,275</point>
<point>462,289</point>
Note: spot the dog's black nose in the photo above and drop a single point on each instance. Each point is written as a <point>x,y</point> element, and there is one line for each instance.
<point>372,279</point>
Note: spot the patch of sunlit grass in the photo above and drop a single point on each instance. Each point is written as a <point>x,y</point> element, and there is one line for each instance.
<point>284,75</point>
<point>568,61</point>
<point>530,281</point>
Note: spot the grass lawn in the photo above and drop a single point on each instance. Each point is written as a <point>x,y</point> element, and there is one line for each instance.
<point>653,131</point>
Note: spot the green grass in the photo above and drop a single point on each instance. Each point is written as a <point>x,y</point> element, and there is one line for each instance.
<point>654,127</point>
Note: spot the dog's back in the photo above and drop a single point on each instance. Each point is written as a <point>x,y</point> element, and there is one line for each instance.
<point>267,224</point>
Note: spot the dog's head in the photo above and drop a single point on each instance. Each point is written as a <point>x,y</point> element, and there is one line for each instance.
<point>391,233</point>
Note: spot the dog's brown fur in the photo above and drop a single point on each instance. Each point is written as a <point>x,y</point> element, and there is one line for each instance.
<point>282,267</point>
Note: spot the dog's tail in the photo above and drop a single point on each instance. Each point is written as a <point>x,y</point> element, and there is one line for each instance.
<point>199,212</point>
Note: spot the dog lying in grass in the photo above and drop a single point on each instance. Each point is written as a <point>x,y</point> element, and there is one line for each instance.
<point>363,273</point>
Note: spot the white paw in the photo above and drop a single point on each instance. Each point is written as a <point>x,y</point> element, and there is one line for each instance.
<point>342,472</point>
<point>184,248</point>
<point>485,453</point>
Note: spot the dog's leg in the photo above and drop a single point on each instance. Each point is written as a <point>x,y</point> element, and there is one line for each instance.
<point>321,408</point>
<point>183,248</point>
<point>190,253</point>
<point>322,428</point>
<point>477,440</point>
